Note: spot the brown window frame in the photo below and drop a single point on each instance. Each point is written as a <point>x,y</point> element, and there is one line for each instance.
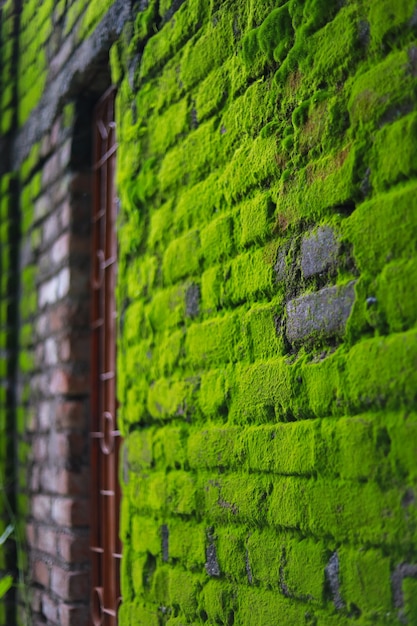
<point>105,437</point>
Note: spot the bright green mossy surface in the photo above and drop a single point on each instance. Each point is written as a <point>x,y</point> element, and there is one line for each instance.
<point>251,463</point>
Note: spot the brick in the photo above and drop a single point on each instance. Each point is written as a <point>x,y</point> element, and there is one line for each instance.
<point>70,414</point>
<point>41,507</point>
<point>51,170</point>
<point>67,511</point>
<point>43,206</point>
<point>39,449</point>
<point>47,540</point>
<point>62,481</point>
<point>41,572</point>
<point>74,615</point>
<point>373,570</point>
<point>213,341</point>
<point>50,609</point>
<point>319,251</point>
<point>67,383</point>
<point>59,250</point>
<point>74,548</point>
<point>182,257</point>
<point>46,410</point>
<point>55,288</point>
<point>51,351</point>
<point>62,446</point>
<point>320,314</point>
<point>69,585</point>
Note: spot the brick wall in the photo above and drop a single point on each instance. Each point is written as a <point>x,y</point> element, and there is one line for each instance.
<point>47,137</point>
<point>267,345</point>
<point>267,309</point>
<point>8,352</point>
<point>54,376</point>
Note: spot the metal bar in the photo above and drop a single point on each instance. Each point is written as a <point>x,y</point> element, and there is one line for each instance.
<point>105,157</point>
<point>105,437</point>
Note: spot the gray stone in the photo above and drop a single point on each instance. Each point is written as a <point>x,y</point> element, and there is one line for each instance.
<point>319,251</point>
<point>332,575</point>
<point>192,301</point>
<point>212,564</point>
<point>323,313</point>
<point>403,570</point>
<point>280,267</point>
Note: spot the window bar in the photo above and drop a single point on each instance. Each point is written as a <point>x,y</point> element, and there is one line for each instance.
<point>105,438</point>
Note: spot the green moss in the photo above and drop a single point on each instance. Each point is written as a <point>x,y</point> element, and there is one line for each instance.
<point>251,275</point>
<point>215,447</point>
<point>198,203</point>
<point>393,155</point>
<point>392,383</point>
<point>167,308</point>
<point>182,257</point>
<point>217,239</point>
<point>214,390</point>
<point>95,11</point>
<point>383,229</point>
<point>211,92</point>
<point>365,580</point>
<point>288,455</point>
<point>212,288</point>
<point>174,34</point>
<point>145,22</point>
<point>409,587</point>
<point>272,381</point>
<point>255,219</point>
<point>168,352</point>
<point>328,182</point>
<point>282,448</point>
<point>219,600</point>
<point>385,22</point>
<point>260,332</point>
<point>160,227</point>
<point>210,50</point>
<point>170,447</point>
<point>381,89</point>
<point>213,341</point>
<point>332,51</point>
<point>260,606</point>
<point>143,614</point>
<point>184,588</point>
<point>169,398</point>
<point>164,130</point>
<point>303,569</point>
<point>253,163</point>
<point>187,543</point>
<point>146,537</point>
<point>396,296</point>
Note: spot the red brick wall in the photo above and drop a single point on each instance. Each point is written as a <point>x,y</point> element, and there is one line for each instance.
<point>54,388</point>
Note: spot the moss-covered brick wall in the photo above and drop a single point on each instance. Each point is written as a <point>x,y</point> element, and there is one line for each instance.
<point>268,306</point>
<point>49,32</point>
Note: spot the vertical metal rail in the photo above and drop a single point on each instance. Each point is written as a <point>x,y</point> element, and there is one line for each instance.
<point>105,438</point>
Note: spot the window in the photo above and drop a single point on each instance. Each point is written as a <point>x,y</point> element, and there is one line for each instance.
<point>105,438</point>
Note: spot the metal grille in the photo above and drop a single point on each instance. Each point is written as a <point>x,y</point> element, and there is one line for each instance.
<point>105,438</point>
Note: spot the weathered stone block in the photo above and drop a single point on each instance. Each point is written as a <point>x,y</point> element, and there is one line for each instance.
<point>323,313</point>
<point>319,251</point>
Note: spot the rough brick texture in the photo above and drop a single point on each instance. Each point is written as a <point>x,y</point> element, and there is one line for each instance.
<point>267,306</point>
<point>267,351</point>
